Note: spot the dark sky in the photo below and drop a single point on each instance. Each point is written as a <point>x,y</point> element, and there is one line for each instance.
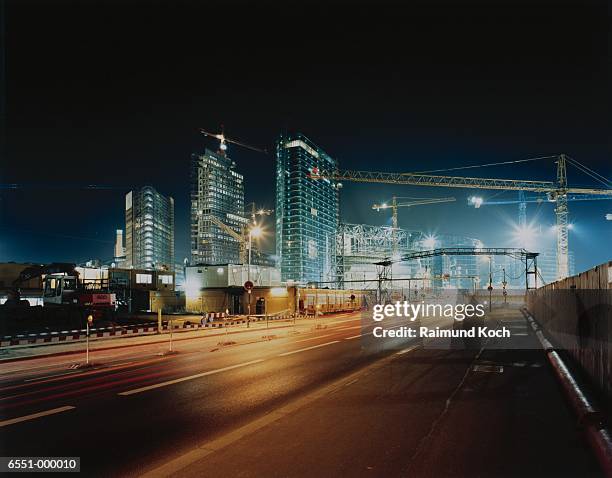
<point>112,93</point>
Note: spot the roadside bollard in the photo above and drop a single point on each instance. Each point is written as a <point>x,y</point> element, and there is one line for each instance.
<point>89,322</point>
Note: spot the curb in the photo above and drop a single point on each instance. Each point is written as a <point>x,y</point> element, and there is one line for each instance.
<point>590,416</point>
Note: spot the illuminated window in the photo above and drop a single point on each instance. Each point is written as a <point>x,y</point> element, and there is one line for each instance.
<point>165,279</point>
<point>144,279</point>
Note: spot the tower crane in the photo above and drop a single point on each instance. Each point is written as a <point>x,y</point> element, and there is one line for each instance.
<point>242,239</point>
<point>224,140</point>
<point>395,205</point>
<point>413,202</point>
<point>558,191</point>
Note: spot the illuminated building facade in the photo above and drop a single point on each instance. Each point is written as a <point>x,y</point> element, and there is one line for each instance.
<point>307,211</point>
<point>217,190</point>
<point>149,230</point>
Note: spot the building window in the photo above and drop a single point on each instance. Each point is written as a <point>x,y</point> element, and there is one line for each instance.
<point>165,279</point>
<point>144,279</point>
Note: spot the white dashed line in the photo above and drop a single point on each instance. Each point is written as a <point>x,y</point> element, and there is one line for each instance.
<point>190,377</point>
<point>33,416</point>
<point>308,348</point>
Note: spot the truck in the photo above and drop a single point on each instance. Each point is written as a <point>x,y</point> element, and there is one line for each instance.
<point>67,300</point>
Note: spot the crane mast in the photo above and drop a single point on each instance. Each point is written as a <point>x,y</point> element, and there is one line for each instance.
<point>558,191</point>
<point>395,205</point>
<point>562,214</point>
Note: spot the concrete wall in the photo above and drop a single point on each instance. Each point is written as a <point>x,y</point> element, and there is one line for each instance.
<point>167,301</point>
<point>272,300</point>
<point>230,275</point>
<point>577,315</point>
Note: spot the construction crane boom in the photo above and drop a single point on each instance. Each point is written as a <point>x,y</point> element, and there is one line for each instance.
<point>558,190</point>
<point>416,179</point>
<point>476,202</point>
<point>224,140</point>
<point>239,237</point>
<point>414,202</point>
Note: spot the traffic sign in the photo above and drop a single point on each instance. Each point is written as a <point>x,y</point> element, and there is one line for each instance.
<point>490,288</point>
<point>248,285</point>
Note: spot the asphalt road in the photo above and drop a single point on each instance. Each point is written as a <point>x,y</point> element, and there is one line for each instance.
<point>405,411</point>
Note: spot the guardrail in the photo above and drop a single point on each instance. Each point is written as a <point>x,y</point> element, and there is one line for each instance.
<point>140,329</point>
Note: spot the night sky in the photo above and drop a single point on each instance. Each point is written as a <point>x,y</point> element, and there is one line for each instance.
<point>113,93</point>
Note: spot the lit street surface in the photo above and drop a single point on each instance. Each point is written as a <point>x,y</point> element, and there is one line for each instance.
<point>309,401</point>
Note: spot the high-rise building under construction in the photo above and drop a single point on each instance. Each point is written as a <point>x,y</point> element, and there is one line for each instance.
<point>149,230</point>
<point>217,190</point>
<point>307,211</point>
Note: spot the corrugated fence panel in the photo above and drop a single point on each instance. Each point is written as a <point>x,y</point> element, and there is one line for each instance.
<point>576,313</point>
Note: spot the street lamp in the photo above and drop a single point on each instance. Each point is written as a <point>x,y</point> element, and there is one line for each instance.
<point>254,232</point>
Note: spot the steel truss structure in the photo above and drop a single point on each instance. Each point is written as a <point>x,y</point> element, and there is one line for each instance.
<point>365,244</point>
<point>531,268</point>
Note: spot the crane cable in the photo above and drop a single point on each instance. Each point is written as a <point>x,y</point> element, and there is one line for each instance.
<point>484,165</point>
<point>588,171</point>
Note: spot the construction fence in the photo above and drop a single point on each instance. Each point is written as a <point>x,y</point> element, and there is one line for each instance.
<point>576,314</point>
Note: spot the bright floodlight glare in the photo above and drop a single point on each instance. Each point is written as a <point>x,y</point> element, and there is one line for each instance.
<point>430,242</point>
<point>256,232</point>
<point>570,226</point>
<point>525,236</point>
<point>553,228</point>
<point>383,205</point>
<point>476,201</point>
<point>608,217</point>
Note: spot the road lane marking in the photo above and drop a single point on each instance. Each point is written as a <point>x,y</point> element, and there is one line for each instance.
<point>308,348</point>
<point>190,377</point>
<point>173,467</point>
<point>409,349</point>
<point>357,336</point>
<point>312,338</point>
<point>348,328</point>
<point>33,416</point>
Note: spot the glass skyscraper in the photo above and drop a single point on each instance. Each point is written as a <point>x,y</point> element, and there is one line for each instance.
<point>217,190</point>
<point>307,211</point>
<point>149,230</point>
